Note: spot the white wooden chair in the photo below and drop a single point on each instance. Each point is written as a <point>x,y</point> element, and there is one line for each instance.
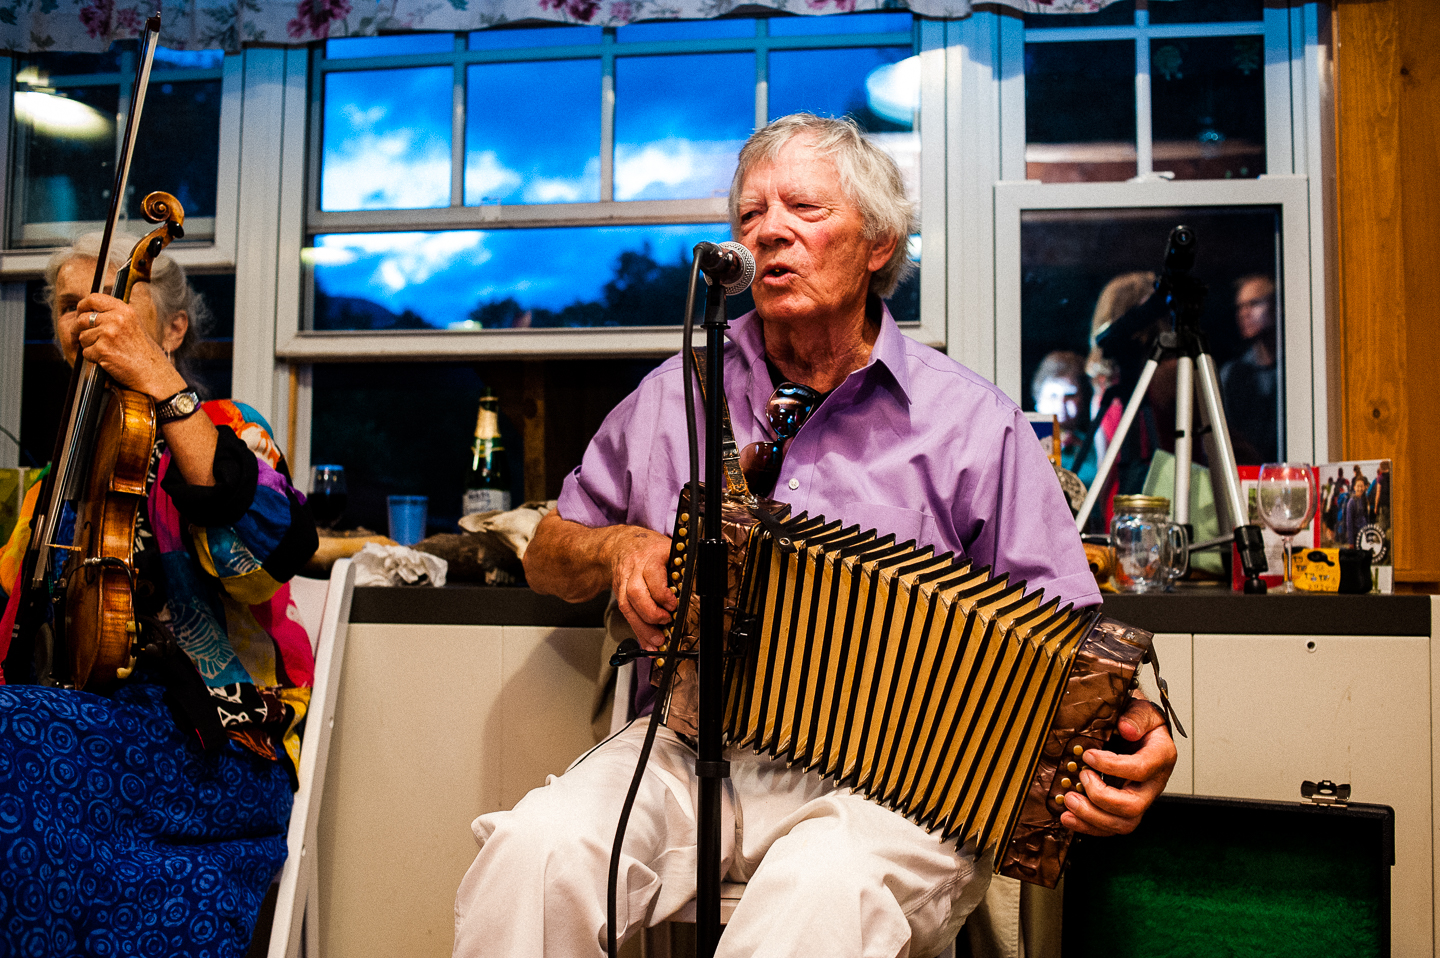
<point>324,607</point>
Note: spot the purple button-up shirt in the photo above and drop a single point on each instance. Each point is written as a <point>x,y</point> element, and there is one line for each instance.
<point>913,444</point>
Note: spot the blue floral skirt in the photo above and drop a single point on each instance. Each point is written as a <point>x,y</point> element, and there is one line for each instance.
<point>119,837</point>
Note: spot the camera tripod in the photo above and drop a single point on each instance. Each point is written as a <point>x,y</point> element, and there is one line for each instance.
<point>1181,296</point>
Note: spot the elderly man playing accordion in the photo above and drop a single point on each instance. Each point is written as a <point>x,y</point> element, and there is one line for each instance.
<point>904,440</point>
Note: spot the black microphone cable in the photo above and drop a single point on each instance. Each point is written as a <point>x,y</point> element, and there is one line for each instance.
<point>686,587</point>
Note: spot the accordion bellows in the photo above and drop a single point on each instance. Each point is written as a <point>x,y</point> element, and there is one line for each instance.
<point>923,683</point>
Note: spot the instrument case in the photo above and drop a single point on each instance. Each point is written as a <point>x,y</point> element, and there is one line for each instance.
<point>1234,877</point>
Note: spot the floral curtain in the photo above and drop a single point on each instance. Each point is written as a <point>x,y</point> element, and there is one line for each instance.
<point>90,26</point>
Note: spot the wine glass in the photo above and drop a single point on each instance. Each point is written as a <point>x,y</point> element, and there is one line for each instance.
<point>327,495</point>
<point>1287,498</point>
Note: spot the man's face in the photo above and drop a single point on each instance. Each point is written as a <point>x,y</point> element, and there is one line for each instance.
<point>1060,398</point>
<point>812,260</point>
<point>1255,307</point>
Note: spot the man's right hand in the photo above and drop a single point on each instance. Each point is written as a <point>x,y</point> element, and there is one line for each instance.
<point>576,562</point>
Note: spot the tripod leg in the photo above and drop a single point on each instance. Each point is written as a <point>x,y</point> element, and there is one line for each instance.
<point>1184,449</point>
<point>1247,535</point>
<point>1112,452</point>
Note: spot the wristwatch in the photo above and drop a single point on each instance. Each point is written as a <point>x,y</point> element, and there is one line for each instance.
<point>177,407</point>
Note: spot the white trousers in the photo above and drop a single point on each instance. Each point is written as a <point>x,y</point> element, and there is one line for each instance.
<point>829,872</point>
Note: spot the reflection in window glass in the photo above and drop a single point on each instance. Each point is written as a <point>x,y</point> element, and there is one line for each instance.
<point>509,158</point>
<point>1080,111</point>
<point>685,30</point>
<point>834,83</point>
<point>830,26</point>
<point>1084,269</point>
<point>365,417</point>
<point>391,46</point>
<point>1119,14</point>
<point>539,37</point>
<point>178,147</point>
<point>506,279</point>
<point>676,137</point>
<point>1204,11</point>
<point>65,157</point>
<point>386,139</point>
<point>1208,106</point>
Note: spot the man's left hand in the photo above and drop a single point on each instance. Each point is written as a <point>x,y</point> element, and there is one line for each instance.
<point>1104,810</point>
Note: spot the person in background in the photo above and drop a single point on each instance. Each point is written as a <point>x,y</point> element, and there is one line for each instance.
<point>1249,384</point>
<point>1354,517</point>
<point>152,819</point>
<point>1120,295</point>
<point>1060,388</point>
<point>902,439</point>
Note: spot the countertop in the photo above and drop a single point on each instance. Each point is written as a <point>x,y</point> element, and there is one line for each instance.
<point>1198,609</point>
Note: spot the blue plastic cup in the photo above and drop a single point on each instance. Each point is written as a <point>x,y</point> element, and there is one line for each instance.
<point>407,518</point>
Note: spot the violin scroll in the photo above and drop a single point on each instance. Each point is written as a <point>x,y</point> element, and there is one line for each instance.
<point>158,207</point>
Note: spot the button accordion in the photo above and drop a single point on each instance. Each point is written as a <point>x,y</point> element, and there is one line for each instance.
<point>932,687</point>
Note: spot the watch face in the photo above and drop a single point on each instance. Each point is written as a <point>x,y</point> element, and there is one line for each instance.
<point>186,403</point>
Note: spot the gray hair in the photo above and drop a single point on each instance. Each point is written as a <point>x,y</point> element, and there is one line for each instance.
<point>868,176</point>
<point>170,291</point>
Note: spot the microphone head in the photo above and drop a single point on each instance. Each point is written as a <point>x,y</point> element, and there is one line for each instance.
<point>729,264</point>
<point>746,271</point>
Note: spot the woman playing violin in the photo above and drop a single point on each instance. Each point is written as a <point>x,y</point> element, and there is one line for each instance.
<point>152,819</point>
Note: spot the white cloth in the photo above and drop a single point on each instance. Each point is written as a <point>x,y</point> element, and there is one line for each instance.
<point>398,565</point>
<point>830,872</point>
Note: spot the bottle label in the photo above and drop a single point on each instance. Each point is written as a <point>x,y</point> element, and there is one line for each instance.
<point>485,500</point>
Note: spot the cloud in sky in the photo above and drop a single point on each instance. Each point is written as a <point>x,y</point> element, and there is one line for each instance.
<point>674,168</point>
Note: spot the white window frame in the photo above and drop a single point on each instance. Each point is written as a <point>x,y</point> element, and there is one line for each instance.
<point>990,192</point>
<point>295,344</point>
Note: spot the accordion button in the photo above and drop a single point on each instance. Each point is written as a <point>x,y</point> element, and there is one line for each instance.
<point>679,561</point>
<point>1060,800</point>
<point>684,517</point>
<point>679,547</point>
<point>1078,750</point>
<point>1065,783</point>
<point>682,532</point>
<point>1072,767</point>
<point>674,577</point>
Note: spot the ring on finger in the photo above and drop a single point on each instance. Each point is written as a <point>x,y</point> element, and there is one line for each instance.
<point>94,318</point>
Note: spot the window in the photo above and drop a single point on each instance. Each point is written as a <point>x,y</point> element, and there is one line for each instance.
<point>540,180</point>
<point>69,112</point>
<point>1136,120</point>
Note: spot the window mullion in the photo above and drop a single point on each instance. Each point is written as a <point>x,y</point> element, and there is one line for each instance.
<point>1144,135</point>
<point>607,117</point>
<point>762,72</point>
<point>457,131</point>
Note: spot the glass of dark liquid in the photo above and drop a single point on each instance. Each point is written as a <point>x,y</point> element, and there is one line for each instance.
<point>327,495</point>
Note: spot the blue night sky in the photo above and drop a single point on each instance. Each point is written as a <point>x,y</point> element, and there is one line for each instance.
<point>532,135</point>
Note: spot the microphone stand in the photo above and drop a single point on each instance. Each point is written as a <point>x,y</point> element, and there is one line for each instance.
<point>711,585</point>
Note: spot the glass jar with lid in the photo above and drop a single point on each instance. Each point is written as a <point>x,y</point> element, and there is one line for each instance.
<point>1151,552</point>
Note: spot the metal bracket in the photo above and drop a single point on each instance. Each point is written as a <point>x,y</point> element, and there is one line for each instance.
<point>1325,792</point>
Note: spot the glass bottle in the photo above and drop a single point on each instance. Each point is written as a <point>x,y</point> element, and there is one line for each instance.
<point>487,486</point>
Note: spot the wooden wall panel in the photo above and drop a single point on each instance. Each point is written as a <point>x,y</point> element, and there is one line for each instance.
<point>1387,137</point>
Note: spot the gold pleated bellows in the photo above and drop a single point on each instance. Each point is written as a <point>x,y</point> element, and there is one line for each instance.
<point>924,684</point>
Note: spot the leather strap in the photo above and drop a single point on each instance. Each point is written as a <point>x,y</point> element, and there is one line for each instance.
<point>729,451</point>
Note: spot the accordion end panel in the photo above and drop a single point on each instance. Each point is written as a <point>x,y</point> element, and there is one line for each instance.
<point>1099,686</point>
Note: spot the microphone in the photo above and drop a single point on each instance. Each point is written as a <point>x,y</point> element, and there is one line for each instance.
<point>729,264</point>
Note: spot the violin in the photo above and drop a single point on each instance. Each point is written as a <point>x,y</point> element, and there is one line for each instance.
<point>100,629</point>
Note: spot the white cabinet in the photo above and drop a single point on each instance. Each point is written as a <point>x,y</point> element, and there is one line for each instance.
<point>435,725</point>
